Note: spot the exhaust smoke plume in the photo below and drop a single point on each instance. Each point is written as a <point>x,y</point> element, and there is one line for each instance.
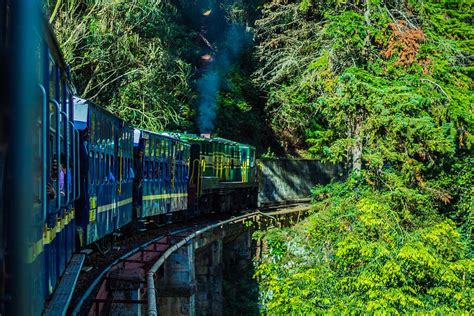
<point>223,41</point>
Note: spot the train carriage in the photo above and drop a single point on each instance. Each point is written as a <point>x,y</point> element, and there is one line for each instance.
<point>223,174</point>
<point>54,161</point>
<point>59,161</point>
<point>164,178</point>
<point>106,202</point>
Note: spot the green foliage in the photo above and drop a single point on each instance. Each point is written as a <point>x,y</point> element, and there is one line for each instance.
<point>388,83</point>
<point>317,54</point>
<point>367,250</point>
<point>121,58</point>
<point>238,115</point>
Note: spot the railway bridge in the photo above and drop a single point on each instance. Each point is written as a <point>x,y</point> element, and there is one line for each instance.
<point>180,270</point>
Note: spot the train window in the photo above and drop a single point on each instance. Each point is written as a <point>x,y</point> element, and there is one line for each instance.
<point>95,162</point>
<point>147,169</point>
<point>126,165</point>
<point>108,169</point>
<point>91,127</point>
<point>163,151</point>
<point>91,168</point>
<point>150,170</point>
<point>101,166</point>
<point>107,134</point>
<point>159,147</point>
<point>96,124</point>
<point>103,131</point>
<point>52,76</point>
<point>150,148</point>
<point>155,170</point>
<point>123,170</point>
<point>61,93</point>
<point>153,149</point>
<point>147,148</point>
<point>126,169</point>
<point>94,157</point>
<point>110,166</point>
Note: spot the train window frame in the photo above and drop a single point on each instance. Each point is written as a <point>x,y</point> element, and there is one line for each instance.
<point>159,148</point>
<point>151,159</point>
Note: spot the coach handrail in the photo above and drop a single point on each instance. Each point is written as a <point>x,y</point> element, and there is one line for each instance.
<point>66,182</point>
<point>58,158</point>
<point>73,167</point>
<point>150,280</point>
<point>44,149</point>
<point>78,164</point>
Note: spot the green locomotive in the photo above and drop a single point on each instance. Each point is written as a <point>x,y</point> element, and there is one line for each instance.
<point>223,175</point>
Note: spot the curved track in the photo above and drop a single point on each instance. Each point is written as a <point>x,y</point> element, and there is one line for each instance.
<point>147,254</point>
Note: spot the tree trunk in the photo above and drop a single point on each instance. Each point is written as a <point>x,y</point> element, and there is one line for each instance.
<point>357,148</point>
<point>354,132</point>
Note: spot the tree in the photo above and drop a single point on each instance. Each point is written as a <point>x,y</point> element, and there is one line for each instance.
<point>127,56</point>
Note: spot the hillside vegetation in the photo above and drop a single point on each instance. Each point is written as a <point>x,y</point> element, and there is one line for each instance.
<point>385,88</point>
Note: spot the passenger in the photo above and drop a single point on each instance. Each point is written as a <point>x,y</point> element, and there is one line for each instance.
<point>111,177</point>
<point>62,174</point>
<point>51,193</point>
<point>131,173</point>
<point>137,170</point>
<point>50,186</point>
<point>82,204</point>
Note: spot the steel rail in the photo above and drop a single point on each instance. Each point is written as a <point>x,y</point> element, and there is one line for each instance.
<point>150,276</point>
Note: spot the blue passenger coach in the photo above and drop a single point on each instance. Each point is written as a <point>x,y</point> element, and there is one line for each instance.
<point>58,140</point>
<point>106,187</point>
<point>49,154</point>
<point>165,173</point>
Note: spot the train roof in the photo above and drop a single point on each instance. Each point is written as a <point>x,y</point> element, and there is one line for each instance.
<point>197,138</point>
<point>168,135</point>
<point>81,110</point>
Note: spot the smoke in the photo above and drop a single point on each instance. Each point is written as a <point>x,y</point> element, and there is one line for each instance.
<point>208,87</point>
<point>230,39</point>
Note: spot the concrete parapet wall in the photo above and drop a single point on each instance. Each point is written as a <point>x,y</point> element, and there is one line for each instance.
<point>292,179</point>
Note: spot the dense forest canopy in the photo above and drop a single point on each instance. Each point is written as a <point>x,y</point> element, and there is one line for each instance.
<point>385,88</point>
<point>382,87</point>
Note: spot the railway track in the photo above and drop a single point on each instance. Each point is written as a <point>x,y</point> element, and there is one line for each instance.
<point>142,255</point>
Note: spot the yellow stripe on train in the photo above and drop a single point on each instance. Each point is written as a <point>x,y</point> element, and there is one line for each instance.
<point>164,196</point>
<point>49,234</point>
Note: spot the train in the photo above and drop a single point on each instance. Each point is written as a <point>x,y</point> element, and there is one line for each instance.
<point>94,176</point>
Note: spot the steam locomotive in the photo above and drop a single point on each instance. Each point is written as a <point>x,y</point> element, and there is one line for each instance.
<point>93,174</point>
